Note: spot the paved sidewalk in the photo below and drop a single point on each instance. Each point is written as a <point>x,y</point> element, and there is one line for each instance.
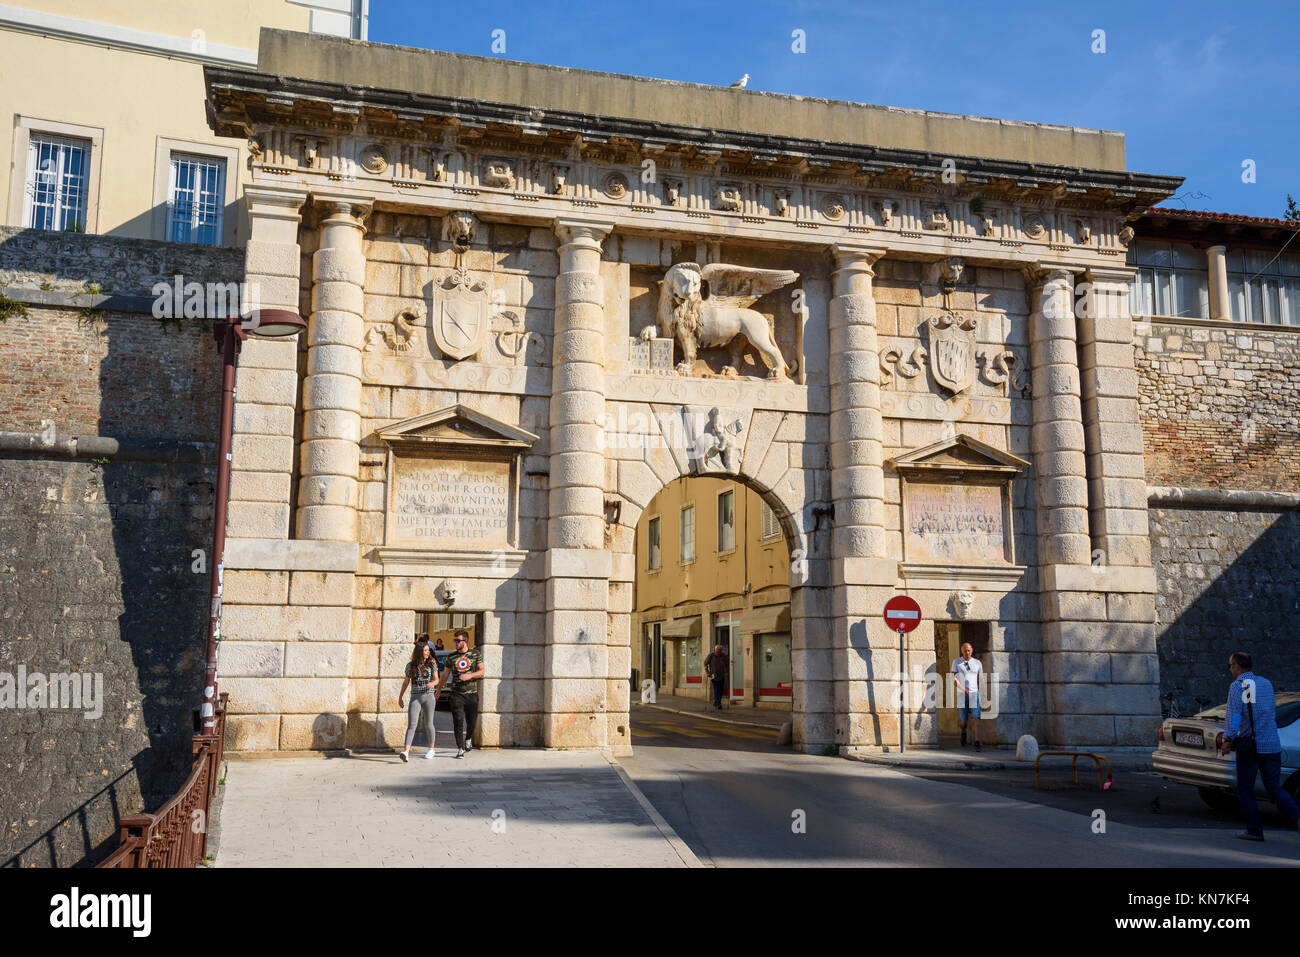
<point>497,808</point>
<point>734,714</point>
<point>944,759</point>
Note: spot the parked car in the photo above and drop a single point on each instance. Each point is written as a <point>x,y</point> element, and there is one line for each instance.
<point>444,700</point>
<point>1187,752</point>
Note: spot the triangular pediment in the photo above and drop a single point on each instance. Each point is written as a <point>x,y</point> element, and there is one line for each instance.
<point>456,426</point>
<point>960,453</point>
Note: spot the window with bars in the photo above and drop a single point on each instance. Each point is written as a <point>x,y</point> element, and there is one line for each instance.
<point>57,185</point>
<point>771,525</point>
<point>1264,286</point>
<point>688,534</point>
<point>727,521</point>
<point>196,199</point>
<point>1173,279</point>
<point>652,535</point>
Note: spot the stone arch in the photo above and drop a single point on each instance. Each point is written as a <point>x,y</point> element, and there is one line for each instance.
<point>785,461</point>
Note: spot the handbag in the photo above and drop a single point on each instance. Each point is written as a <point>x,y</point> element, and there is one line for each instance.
<point>1244,744</point>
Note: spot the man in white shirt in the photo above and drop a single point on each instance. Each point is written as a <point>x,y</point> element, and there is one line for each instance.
<point>966,672</point>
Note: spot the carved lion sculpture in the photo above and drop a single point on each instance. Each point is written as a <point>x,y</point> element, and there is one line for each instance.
<point>718,315</point>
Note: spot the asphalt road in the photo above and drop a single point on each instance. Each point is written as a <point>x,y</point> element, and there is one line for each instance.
<point>739,800</point>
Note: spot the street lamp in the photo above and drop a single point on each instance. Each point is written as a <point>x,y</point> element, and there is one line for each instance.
<point>230,334</point>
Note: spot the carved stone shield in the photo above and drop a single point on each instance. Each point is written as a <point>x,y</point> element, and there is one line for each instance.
<point>952,352</point>
<point>461,326</point>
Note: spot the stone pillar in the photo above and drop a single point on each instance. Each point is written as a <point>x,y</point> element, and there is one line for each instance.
<point>578,563</point>
<point>266,388</point>
<point>861,681</point>
<point>1057,441</point>
<point>327,491</point>
<point>1098,644</point>
<point>1220,304</point>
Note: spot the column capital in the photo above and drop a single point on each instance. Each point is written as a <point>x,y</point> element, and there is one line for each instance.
<point>852,256</point>
<point>586,233</point>
<point>342,208</point>
<point>1116,274</point>
<point>274,200</point>
<point>1039,274</point>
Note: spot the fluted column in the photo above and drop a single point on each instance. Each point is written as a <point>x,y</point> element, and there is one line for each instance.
<point>578,565</point>
<point>330,454</point>
<point>848,691</point>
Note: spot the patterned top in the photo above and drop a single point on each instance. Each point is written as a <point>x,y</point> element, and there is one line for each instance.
<point>420,677</point>
<point>463,664</point>
<point>1263,708</point>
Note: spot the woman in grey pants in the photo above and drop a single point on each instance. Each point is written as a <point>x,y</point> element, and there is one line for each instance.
<point>421,671</point>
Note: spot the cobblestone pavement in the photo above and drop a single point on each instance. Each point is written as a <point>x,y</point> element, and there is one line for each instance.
<point>508,808</point>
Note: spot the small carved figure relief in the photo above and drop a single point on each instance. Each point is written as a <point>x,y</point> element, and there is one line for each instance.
<point>781,202</point>
<point>952,351</point>
<point>718,445</point>
<point>498,173</point>
<point>401,339</point>
<point>988,224</point>
<point>559,179</point>
<point>373,159</point>
<point>461,228</point>
<point>936,217</point>
<point>892,361</point>
<point>724,317</point>
<point>947,274</point>
<point>962,603</point>
<point>727,196</point>
<point>615,186</point>
<point>450,591</point>
<point>514,340</point>
<point>1126,236</point>
<point>887,208</point>
<point>1085,232</point>
<point>672,192</point>
<point>996,368</point>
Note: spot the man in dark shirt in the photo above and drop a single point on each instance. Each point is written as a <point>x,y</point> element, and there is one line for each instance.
<point>716,664</point>
<point>464,669</point>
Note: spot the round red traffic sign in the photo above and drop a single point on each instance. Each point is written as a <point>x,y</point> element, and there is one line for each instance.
<point>902,613</point>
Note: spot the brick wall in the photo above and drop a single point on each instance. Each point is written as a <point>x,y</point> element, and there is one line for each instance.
<point>1220,407</point>
<point>96,548</point>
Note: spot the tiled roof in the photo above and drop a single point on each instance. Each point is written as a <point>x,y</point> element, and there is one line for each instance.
<point>1205,216</point>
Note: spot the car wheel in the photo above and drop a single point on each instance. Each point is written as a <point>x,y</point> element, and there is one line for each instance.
<point>1218,799</point>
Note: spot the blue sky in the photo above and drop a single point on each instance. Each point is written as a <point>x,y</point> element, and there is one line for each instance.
<point>1196,87</point>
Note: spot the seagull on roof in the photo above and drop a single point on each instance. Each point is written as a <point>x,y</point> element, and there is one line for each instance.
<point>741,83</point>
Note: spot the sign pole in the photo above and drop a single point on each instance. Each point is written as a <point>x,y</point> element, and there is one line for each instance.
<point>902,688</point>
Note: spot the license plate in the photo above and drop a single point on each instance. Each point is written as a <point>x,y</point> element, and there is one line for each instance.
<point>1191,739</point>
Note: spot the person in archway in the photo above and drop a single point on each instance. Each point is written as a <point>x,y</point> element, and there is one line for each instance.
<point>464,669</point>
<point>716,666</point>
<point>420,672</point>
<point>437,645</point>
<point>966,672</point>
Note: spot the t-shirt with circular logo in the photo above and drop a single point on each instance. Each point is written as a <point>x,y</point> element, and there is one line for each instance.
<point>463,663</point>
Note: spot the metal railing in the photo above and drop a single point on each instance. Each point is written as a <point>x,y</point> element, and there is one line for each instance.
<point>177,834</point>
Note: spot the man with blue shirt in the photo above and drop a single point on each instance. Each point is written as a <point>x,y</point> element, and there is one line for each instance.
<point>1252,713</point>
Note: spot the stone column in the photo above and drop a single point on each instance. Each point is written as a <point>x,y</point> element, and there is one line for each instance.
<point>327,491</point>
<point>1057,441</point>
<point>860,681</point>
<point>1220,304</point>
<point>578,564</point>
<point>266,389</point>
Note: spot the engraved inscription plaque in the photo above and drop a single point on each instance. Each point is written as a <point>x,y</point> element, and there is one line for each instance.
<point>449,503</point>
<point>955,523</point>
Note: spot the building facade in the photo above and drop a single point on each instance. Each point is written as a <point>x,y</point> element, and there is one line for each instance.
<point>924,368</point>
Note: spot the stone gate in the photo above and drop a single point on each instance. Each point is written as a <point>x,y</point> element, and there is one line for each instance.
<point>908,331</point>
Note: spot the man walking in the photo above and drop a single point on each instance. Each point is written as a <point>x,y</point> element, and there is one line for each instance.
<point>716,666</point>
<point>464,669</point>
<point>966,672</point>
<point>1251,731</point>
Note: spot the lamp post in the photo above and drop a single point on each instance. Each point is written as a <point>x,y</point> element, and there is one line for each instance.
<point>230,334</point>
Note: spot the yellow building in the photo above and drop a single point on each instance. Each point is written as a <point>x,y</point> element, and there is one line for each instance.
<point>713,568</point>
<point>103,103</point>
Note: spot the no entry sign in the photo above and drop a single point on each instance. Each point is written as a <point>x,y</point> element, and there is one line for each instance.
<point>902,613</point>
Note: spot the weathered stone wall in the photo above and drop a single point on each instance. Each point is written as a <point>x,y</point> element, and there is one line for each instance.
<point>107,436</point>
<point>1220,407</point>
<point>1229,580</point>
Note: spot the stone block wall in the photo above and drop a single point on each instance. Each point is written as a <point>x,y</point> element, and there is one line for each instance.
<point>108,424</point>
